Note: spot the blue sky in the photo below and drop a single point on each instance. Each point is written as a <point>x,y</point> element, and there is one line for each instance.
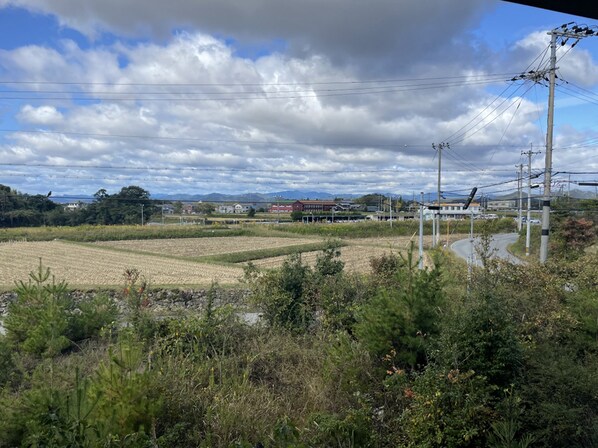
<point>265,96</point>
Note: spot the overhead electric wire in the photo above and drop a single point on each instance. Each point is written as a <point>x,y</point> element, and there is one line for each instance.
<point>165,84</point>
<point>237,141</point>
<point>465,136</point>
<point>265,96</point>
<point>579,95</point>
<point>245,92</point>
<point>231,170</point>
<point>459,131</point>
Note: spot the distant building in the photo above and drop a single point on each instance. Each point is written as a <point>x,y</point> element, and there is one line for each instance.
<point>241,208</point>
<point>238,209</point>
<point>188,209</point>
<point>281,208</point>
<point>167,209</point>
<point>313,206</point>
<point>510,204</point>
<point>72,206</point>
<point>226,209</point>
<point>453,211</point>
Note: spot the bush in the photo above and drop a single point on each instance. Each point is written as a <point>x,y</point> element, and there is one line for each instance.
<point>398,321</point>
<point>282,294</point>
<point>44,320</point>
<point>37,321</point>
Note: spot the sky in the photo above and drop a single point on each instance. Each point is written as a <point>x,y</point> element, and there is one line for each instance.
<point>337,96</point>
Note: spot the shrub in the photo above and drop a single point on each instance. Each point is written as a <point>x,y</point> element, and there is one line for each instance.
<point>399,320</point>
<point>37,321</point>
<point>44,320</point>
<point>282,294</point>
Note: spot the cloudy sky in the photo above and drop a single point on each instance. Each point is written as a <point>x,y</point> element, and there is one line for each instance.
<point>340,96</point>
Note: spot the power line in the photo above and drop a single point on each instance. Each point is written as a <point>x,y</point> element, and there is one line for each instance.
<point>163,84</point>
<point>265,95</point>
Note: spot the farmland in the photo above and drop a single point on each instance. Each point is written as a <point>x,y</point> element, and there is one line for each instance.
<point>95,266</point>
<point>197,247</point>
<point>179,262</point>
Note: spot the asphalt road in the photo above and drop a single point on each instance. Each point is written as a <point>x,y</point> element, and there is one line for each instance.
<point>499,244</point>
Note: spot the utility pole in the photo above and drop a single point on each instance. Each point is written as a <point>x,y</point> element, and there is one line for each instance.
<point>564,33</point>
<point>520,200</point>
<point>421,232</point>
<point>390,208</point>
<point>529,198</point>
<point>548,160</point>
<point>439,147</point>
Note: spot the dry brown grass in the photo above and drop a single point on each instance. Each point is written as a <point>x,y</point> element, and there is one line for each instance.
<point>100,265</point>
<point>356,258</point>
<point>96,266</point>
<point>360,251</point>
<point>198,247</point>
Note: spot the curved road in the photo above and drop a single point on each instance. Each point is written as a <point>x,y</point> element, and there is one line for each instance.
<point>499,244</point>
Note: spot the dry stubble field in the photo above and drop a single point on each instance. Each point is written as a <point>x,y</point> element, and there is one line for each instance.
<point>198,247</point>
<point>101,265</point>
<point>90,266</point>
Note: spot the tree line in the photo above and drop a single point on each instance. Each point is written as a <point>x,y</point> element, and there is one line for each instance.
<point>130,205</point>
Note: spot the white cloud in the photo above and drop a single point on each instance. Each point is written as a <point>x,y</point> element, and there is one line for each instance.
<point>384,32</point>
<point>43,115</point>
<point>200,117</point>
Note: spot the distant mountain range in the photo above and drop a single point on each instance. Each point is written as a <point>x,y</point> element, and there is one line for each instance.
<point>254,197</point>
<point>293,195</point>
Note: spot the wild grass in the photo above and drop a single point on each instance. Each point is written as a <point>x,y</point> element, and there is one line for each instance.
<point>258,254</point>
<point>89,233</point>
<point>398,228</point>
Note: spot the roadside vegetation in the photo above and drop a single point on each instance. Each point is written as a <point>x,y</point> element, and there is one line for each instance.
<point>90,233</point>
<point>399,357</point>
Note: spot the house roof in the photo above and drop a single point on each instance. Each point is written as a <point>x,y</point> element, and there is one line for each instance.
<point>308,202</point>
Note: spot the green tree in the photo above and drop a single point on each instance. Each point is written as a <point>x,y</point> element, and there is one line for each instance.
<point>205,208</point>
<point>177,207</point>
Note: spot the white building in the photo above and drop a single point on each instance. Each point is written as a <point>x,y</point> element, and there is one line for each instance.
<point>241,209</point>
<point>226,209</point>
<point>453,211</point>
<point>238,209</point>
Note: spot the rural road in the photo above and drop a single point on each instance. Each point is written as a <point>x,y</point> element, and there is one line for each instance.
<point>499,244</point>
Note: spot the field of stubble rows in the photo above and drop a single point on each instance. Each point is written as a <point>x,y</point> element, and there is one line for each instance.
<point>166,261</point>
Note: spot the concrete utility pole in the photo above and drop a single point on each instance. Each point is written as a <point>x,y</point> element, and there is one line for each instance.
<point>439,148</point>
<point>564,32</point>
<point>520,200</point>
<point>421,232</point>
<point>548,160</point>
<point>390,208</point>
<point>529,199</point>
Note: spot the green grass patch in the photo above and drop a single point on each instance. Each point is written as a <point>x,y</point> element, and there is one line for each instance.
<point>89,233</point>
<point>384,229</point>
<point>241,257</point>
<point>258,254</point>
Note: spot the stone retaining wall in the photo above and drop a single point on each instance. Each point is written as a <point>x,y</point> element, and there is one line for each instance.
<point>160,300</point>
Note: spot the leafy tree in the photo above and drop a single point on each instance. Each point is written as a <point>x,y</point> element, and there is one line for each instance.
<point>573,235</point>
<point>124,207</point>
<point>251,212</point>
<point>205,208</point>
<point>296,215</point>
<point>177,207</point>
<point>370,199</point>
<point>23,210</point>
